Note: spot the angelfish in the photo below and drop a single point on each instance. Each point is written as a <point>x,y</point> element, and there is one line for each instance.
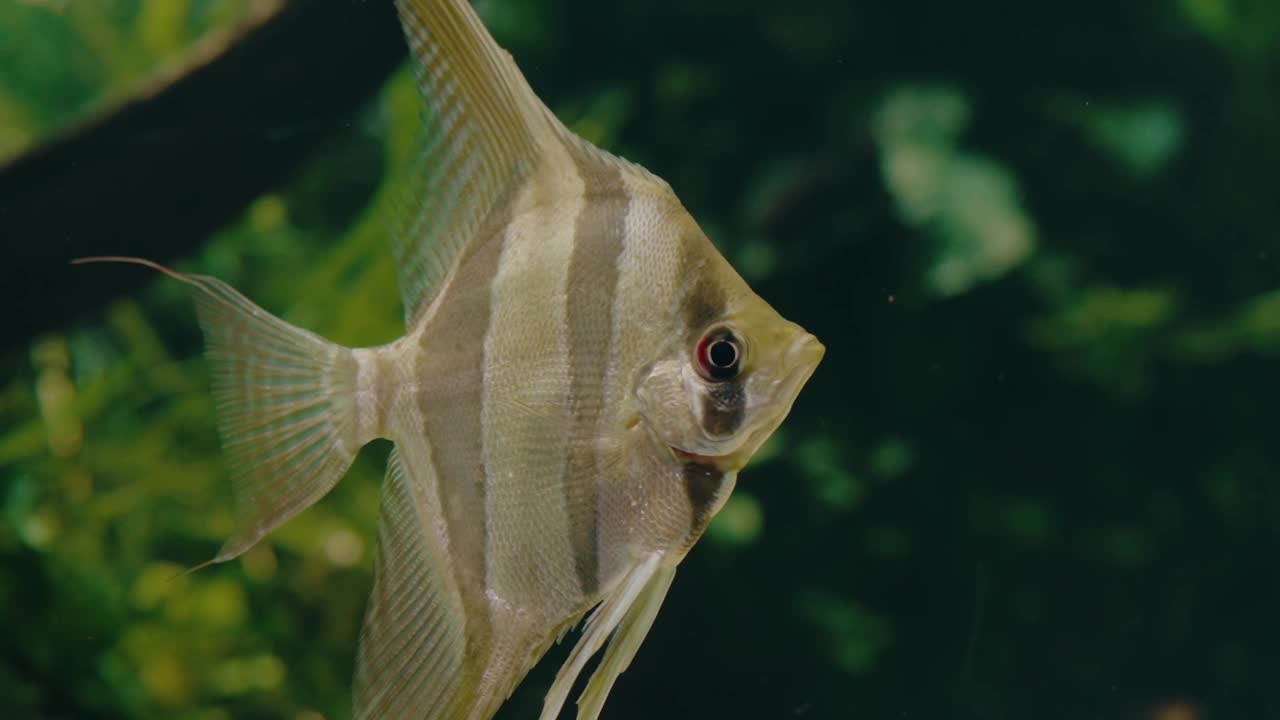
<point>582,377</point>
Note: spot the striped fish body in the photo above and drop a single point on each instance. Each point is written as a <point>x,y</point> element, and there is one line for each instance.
<point>582,377</point>
<point>517,404</point>
<point>515,390</point>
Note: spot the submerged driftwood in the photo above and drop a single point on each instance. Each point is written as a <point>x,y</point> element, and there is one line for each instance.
<point>154,174</point>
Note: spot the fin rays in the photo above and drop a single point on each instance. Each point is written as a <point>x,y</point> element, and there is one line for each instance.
<point>412,642</point>
<point>630,607</point>
<point>482,126</point>
<point>283,400</point>
<point>626,641</point>
<point>284,403</point>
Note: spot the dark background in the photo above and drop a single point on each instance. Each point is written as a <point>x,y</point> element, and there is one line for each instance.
<point>1033,478</point>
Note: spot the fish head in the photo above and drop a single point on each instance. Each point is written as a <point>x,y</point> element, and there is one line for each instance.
<point>723,382</point>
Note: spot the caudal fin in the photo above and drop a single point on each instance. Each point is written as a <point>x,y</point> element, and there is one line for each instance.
<point>285,404</point>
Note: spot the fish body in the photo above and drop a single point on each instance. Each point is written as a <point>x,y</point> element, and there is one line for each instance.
<point>582,376</point>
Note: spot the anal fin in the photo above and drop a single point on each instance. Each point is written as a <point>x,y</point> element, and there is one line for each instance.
<point>412,644</point>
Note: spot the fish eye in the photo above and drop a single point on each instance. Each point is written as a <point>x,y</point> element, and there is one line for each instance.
<point>719,355</point>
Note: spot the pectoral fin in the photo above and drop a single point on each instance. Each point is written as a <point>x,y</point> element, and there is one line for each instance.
<point>626,641</point>
<point>627,613</point>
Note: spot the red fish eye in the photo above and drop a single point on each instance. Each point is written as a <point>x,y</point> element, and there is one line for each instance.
<point>719,355</point>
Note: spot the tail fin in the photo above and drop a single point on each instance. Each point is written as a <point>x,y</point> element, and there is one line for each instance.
<point>285,403</point>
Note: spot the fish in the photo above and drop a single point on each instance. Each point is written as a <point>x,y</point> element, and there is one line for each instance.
<point>582,376</point>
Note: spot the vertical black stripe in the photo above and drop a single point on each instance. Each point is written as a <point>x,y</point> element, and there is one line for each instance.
<point>598,240</point>
<point>723,408</point>
<point>704,301</point>
<point>723,405</point>
<point>450,372</point>
<point>702,484</point>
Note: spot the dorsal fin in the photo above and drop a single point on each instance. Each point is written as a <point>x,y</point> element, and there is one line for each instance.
<point>483,131</point>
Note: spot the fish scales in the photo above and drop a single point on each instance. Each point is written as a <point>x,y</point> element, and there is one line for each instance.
<point>531,579</point>
<point>592,289</point>
<point>582,377</point>
<point>450,379</point>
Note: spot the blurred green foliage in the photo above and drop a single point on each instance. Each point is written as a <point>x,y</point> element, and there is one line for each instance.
<point>1033,478</point>
<point>64,59</point>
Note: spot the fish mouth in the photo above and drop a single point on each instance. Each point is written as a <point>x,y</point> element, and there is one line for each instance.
<point>803,356</point>
<point>711,461</point>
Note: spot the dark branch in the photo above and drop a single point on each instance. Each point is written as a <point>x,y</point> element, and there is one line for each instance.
<point>155,174</point>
